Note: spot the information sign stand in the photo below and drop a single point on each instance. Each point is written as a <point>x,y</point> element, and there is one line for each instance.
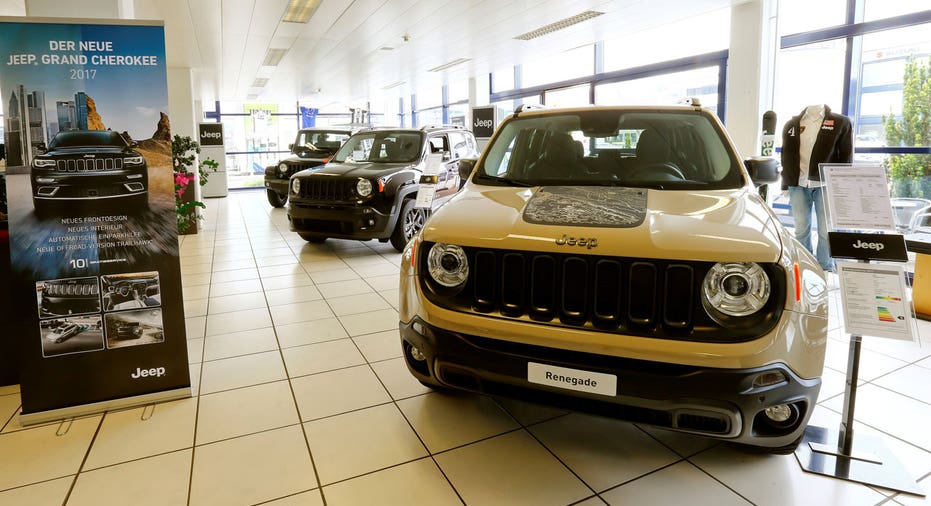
<point>833,452</point>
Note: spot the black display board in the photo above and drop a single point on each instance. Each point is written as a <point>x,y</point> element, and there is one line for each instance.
<point>93,240</point>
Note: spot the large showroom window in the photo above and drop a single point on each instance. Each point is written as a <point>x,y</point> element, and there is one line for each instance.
<point>705,33</point>
<point>258,134</point>
<point>874,65</point>
<point>573,96</point>
<point>622,70</point>
<point>562,66</point>
<point>667,88</point>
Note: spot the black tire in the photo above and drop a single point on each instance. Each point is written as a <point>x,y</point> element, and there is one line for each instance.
<point>276,199</point>
<point>410,222</point>
<point>312,238</point>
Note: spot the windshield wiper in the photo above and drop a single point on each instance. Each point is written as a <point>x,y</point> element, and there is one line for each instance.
<point>504,180</point>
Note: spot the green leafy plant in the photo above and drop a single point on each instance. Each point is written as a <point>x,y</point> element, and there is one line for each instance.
<point>184,152</point>
<point>911,173</point>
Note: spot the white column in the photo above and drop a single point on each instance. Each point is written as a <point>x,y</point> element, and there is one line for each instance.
<point>181,102</point>
<point>750,72</point>
<point>181,105</point>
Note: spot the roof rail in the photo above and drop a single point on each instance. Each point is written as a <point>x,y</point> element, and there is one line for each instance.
<point>436,127</point>
<point>528,107</point>
<point>692,101</point>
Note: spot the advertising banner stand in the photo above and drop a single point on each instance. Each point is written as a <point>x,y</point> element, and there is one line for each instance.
<point>852,199</point>
<point>95,277</point>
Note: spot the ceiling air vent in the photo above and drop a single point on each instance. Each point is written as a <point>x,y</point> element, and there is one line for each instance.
<point>559,25</point>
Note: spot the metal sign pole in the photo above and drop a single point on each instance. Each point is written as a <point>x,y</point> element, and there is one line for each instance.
<point>833,453</point>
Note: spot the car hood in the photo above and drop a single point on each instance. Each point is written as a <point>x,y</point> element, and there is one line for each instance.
<point>366,170</point>
<point>719,225</point>
<point>97,150</point>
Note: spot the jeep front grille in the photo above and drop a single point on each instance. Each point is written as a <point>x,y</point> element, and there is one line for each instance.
<point>634,296</point>
<point>73,289</point>
<point>90,164</point>
<point>322,188</point>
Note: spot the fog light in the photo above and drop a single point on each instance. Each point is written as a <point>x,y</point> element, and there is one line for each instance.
<point>779,413</point>
<point>417,355</point>
<point>768,378</point>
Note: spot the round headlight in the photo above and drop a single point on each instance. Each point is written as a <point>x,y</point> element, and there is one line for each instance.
<point>364,187</point>
<point>736,289</point>
<point>295,186</point>
<point>448,265</point>
<point>282,168</point>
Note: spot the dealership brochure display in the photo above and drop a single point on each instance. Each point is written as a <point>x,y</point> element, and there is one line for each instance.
<point>859,197</point>
<point>93,241</point>
<point>875,301</point>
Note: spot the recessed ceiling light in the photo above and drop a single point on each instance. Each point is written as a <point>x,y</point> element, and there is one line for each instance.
<point>300,11</point>
<point>449,64</point>
<point>559,25</point>
<point>260,82</point>
<point>252,96</point>
<point>392,85</point>
<point>273,57</point>
<point>386,48</point>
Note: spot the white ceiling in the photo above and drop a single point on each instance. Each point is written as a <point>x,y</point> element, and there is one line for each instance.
<point>338,52</point>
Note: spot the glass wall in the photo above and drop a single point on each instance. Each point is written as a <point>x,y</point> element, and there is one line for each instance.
<point>808,75</point>
<point>553,68</point>
<point>668,88</point>
<point>258,134</point>
<point>877,74</point>
<point>704,34</point>
<point>568,97</point>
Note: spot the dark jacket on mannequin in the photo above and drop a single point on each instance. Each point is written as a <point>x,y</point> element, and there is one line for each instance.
<point>834,144</point>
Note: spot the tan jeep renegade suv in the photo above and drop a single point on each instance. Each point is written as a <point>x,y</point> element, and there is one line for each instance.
<point>618,260</point>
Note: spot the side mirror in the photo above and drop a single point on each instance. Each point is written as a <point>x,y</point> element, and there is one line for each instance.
<point>446,156</point>
<point>465,167</point>
<point>41,147</point>
<point>133,144</point>
<point>291,147</point>
<point>762,170</point>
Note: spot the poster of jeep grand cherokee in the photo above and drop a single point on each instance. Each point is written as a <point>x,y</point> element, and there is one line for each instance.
<point>91,214</point>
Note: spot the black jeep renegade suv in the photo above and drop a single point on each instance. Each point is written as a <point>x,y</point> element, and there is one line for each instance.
<point>367,190</point>
<point>312,147</point>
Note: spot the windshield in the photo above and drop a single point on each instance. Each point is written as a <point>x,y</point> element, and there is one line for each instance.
<point>316,140</point>
<point>653,149</point>
<point>88,138</point>
<point>382,147</point>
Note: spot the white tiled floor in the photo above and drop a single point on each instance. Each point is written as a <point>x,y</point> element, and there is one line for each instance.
<point>302,398</point>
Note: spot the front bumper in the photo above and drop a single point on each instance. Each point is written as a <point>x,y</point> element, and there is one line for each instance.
<point>89,186</point>
<point>341,221</point>
<point>721,403</point>
<point>279,185</point>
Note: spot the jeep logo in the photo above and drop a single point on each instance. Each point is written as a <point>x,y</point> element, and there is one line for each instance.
<point>210,135</point>
<point>585,242</point>
<point>146,373</point>
<point>482,123</point>
<point>90,156</point>
<point>869,245</point>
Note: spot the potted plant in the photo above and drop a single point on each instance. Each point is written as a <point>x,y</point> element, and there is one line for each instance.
<point>184,152</point>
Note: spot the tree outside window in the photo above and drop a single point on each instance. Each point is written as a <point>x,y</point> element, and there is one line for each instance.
<point>911,173</point>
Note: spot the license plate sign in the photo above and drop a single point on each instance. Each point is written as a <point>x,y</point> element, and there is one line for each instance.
<point>572,379</point>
